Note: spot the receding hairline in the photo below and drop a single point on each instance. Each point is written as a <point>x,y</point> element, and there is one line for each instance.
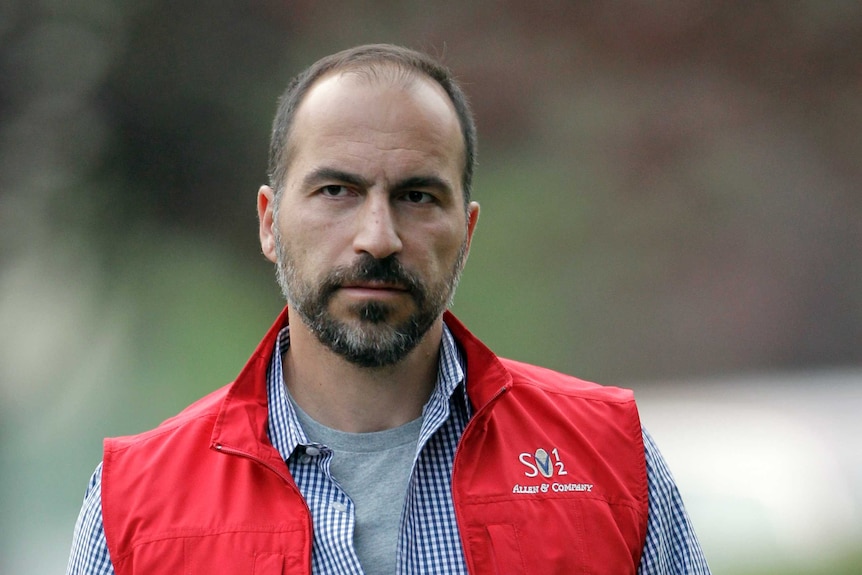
<point>396,63</point>
<point>377,71</point>
<point>372,72</point>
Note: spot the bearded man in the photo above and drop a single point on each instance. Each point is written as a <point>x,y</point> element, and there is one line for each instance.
<point>371,432</point>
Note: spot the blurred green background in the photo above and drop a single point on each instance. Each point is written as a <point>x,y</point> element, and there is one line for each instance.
<point>670,201</point>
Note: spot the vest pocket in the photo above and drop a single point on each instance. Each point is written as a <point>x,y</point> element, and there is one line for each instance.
<point>505,550</point>
<point>233,553</point>
<point>268,564</point>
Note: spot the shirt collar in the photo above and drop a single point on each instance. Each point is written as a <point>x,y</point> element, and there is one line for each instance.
<point>284,429</point>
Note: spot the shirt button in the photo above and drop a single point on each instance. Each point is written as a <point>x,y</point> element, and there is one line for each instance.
<point>338,506</point>
<point>312,451</point>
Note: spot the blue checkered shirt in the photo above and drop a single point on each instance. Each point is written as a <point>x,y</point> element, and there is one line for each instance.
<point>429,541</point>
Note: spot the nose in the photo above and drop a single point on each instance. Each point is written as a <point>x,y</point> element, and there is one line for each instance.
<point>377,233</point>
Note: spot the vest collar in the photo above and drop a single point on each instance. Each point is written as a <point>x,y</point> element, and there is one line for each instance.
<point>242,420</point>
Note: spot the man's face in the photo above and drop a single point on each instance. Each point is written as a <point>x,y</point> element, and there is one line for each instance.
<point>371,231</point>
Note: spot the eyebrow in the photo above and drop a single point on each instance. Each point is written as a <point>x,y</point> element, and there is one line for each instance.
<point>324,174</point>
<point>432,182</point>
<point>332,174</point>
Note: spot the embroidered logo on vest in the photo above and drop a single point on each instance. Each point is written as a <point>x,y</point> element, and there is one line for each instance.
<point>541,463</point>
<point>547,465</point>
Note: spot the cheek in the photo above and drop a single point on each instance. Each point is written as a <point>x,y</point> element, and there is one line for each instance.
<point>312,245</point>
<point>443,248</point>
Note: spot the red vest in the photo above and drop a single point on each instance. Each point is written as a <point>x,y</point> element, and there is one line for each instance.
<point>549,477</point>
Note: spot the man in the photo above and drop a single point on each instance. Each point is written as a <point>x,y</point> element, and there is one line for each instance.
<point>370,432</point>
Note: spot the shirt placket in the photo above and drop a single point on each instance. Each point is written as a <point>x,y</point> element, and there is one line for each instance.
<point>333,512</point>
<point>428,501</point>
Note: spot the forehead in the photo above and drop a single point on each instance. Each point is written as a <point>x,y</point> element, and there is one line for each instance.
<point>394,110</point>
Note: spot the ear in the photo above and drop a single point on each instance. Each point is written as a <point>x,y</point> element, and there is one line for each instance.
<point>472,219</point>
<point>265,206</point>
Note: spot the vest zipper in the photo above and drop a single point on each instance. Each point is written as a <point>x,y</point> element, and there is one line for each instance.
<point>473,419</point>
<point>232,451</point>
<point>455,503</point>
<point>287,479</point>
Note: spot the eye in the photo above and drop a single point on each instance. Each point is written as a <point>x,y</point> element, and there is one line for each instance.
<point>417,197</point>
<point>334,191</point>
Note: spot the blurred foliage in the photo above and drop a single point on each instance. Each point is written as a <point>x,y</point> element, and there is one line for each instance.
<point>668,189</point>
<point>683,177</point>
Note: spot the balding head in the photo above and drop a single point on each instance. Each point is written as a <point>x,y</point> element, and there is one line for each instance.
<point>375,62</point>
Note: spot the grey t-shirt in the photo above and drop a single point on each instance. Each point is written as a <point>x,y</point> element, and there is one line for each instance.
<point>373,469</point>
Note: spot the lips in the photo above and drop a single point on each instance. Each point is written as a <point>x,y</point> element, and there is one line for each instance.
<point>373,290</point>
<point>374,285</point>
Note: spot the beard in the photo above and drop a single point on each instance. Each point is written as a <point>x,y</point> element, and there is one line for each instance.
<point>369,338</point>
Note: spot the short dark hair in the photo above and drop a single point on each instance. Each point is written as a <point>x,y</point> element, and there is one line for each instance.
<point>369,57</point>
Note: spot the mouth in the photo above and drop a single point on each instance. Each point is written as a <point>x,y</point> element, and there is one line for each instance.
<point>373,289</point>
<point>374,285</point>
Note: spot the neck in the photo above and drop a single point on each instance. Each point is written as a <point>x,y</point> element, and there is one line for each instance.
<point>355,399</point>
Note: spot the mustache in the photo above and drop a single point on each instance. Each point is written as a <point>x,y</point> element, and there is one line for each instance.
<point>370,269</point>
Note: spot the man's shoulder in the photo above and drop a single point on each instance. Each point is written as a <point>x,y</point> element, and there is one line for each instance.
<point>204,410</point>
<point>552,381</point>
